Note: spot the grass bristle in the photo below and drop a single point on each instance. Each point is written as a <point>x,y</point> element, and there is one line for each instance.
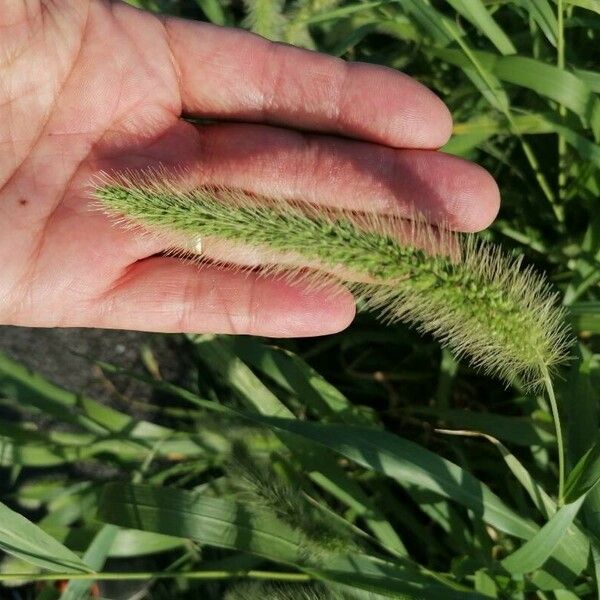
<point>467,293</point>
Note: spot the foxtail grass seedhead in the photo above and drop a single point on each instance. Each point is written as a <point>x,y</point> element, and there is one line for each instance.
<point>279,591</point>
<point>262,488</point>
<point>468,294</point>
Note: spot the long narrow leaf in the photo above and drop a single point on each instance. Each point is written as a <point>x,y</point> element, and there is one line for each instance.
<point>25,540</point>
<point>534,553</point>
<point>95,557</point>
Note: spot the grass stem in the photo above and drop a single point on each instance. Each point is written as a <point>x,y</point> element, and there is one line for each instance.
<point>559,438</point>
<point>143,575</point>
<point>562,144</point>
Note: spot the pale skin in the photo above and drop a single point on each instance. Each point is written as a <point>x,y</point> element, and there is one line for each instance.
<point>92,85</point>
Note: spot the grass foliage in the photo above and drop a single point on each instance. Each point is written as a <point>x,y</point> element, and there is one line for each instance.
<point>325,469</point>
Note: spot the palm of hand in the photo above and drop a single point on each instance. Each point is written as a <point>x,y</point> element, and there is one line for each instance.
<point>92,86</point>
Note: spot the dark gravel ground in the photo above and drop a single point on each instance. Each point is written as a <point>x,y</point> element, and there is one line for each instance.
<point>54,354</point>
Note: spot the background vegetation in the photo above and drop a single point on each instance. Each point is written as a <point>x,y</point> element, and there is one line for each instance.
<point>324,468</point>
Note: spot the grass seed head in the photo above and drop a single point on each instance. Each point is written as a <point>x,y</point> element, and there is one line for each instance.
<point>279,591</point>
<point>468,294</point>
<point>263,489</point>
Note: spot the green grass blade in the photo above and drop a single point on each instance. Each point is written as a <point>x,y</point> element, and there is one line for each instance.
<point>435,24</point>
<point>95,557</point>
<point>131,542</point>
<point>128,543</point>
<point>585,474</point>
<point>343,11</point>
<point>534,553</point>
<point>595,545</point>
<point>591,78</point>
<point>293,374</point>
<point>24,447</point>
<point>537,494</point>
<point>586,149</point>
<point>213,11</point>
<point>545,79</point>
<point>593,5</point>
<point>31,389</point>
<point>331,478</point>
<point>572,550</point>
<point>25,540</point>
<point>553,83</point>
<point>217,355</point>
<point>213,521</point>
<point>578,395</point>
<point>485,584</point>
<point>479,68</point>
<point>522,431</point>
<point>586,316</point>
<point>476,12</point>
<point>542,13</point>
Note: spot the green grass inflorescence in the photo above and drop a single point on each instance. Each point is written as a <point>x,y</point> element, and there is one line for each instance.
<point>258,591</point>
<point>468,294</point>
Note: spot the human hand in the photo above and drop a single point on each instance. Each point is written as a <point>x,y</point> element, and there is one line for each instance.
<point>90,85</point>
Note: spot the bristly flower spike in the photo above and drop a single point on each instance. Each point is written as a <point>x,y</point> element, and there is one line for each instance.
<point>467,293</point>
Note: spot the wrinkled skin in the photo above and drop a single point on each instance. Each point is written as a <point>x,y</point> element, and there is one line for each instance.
<point>92,85</point>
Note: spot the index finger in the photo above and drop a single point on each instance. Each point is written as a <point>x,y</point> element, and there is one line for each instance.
<point>229,73</point>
